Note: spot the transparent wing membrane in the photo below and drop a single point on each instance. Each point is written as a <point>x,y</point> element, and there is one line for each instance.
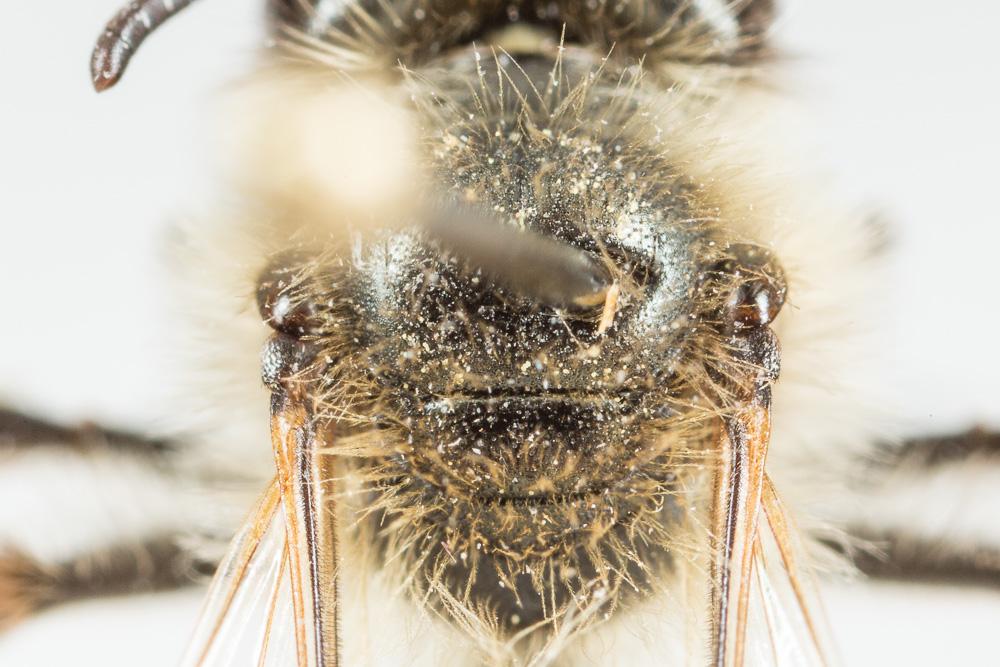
<point>760,598</point>
<point>247,619</point>
<point>784,599</point>
<point>273,600</point>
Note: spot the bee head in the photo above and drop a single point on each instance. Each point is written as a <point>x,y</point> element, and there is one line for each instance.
<point>380,33</point>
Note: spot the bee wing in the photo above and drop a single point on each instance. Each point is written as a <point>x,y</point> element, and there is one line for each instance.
<point>305,479</point>
<point>751,618</point>
<point>247,616</point>
<point>784,628</point>
<point>738,485</point>
<point>761,601</point>
<point>273,600</point>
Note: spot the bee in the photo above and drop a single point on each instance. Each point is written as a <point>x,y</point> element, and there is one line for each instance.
<point>541,348</point>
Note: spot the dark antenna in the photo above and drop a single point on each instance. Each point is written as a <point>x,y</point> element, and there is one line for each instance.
<point>124,34</point>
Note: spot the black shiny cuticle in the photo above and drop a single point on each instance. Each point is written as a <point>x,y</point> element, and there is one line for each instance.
<point>283,358</point>
<point>280,300</point>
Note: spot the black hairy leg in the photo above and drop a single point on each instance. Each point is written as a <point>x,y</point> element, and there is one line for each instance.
<point>929,513</point>
<point>155,562</point>
<point>19,431</point>
<point>896,556</point>
<point>942,450</point>
<point>160,563</point>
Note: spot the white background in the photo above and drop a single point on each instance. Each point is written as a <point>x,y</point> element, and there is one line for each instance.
<point>903,94</point>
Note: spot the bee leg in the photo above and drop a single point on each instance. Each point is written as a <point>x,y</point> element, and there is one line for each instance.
<point>116,565</point>
<point>929,453</point>
<point>930,512</point>
<point>21,431</point>
<point>28,585</point>
<point>896,556</point>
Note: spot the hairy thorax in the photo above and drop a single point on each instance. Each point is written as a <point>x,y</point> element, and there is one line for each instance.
<point>519,459</point>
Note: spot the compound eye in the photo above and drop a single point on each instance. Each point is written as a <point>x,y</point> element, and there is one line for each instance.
<point>758,290</point>
<point>658,31</point>
<point>388,31</point>
<point>280,298</point>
